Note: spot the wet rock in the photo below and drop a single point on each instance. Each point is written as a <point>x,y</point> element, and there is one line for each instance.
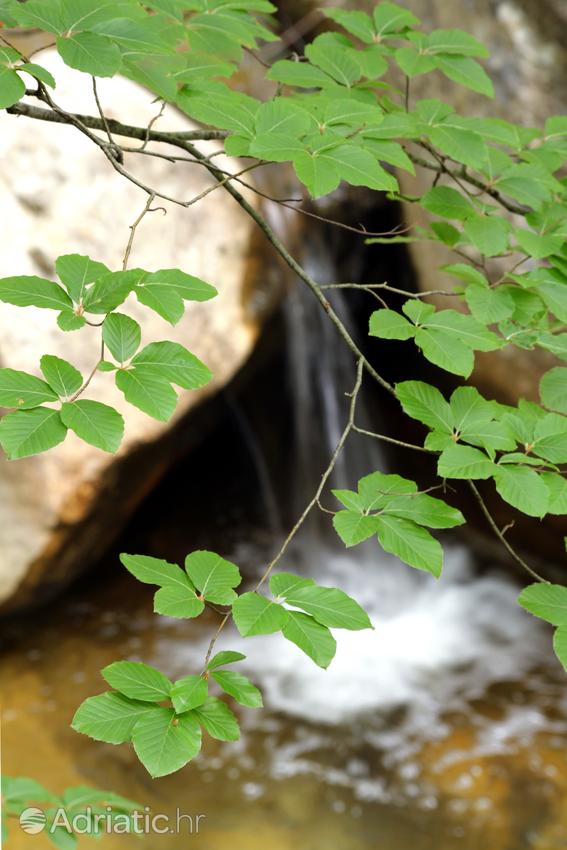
<point>60,510</point>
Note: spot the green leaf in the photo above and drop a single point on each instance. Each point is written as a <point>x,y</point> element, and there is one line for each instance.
<point>173,362</point>
<point>95,423</point>
<point>334,61</point>
<point>76,272</point>
<point>426,404</point>
<point>319,173</point>
<point>464,462</point>
<point>551,438</point>
<point>465,272</point>
<point>22,391</point>
<point>387,324</point>
<point>61,376</point>
<point>218,720</point>
<point>255,615</point>
<point>311,637</point>
<point>189,692</point>
<point>464,328</point>
<point>329,606</point>
<point>12,87</point>
<point>455,42</point>
<point>425,510</point>
<point>283,117</point>
<point>226,109</point>
<point>178,602</point>
<point>30,432</point>
<point>155,571</point>
<point>554,294</point>
<point>89,52</point>
<point>522,488</point>
<point>462,145</point>
<point>39,73</point>
<point>202,66</point>
<point>488,234</point>
<point>213,576</point>
<point>390,18</point>
<point>552,389</point>
<point>390,152</point>
<point>110,717</point>
<point>122,336</point>
<point>298,74</point>
<point>557,486</point>
<point>353,528</point>
<point>23,789</point>
<point>467,73</point>
<point>349,499</point>
<point>547,601</point>
<point>146,35</point>
<point>356,22</point>
<point>238,687</point>
<point>489,306</point>
<point>110,290</point>
<point>275,147</point>
<point>165,742</point>
<point>413,62</point>
<point>376,489</point>
<point>70,321</point>
<point>148,391</point>
<point>411,544</point>
<point>165,291</point>
<point>470,410</point>
<point>137,680</point>
<point>560,645</point>
<point>359,168</point>
<point>32,291</point>
<point>281,583</point>
<point>352,113</point>
<point>227,656</point>
<point>446,351</point>
<point>448,203</point>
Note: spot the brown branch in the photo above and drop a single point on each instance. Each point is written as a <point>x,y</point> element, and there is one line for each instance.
<point>116,127</point>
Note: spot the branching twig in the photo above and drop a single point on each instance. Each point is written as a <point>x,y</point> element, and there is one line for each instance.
<point>511,551</point>
<point>386,439</point>
<point>312,503</point>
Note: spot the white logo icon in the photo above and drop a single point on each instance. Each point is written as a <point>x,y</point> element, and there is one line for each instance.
<point>33,821</point>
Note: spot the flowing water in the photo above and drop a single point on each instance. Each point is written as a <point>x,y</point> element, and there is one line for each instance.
<point>444,728</point>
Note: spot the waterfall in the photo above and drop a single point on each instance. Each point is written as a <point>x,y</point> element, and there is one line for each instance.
<point>438,648</point>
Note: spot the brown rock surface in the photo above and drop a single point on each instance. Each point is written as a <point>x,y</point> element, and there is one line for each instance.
<point>59,510</point>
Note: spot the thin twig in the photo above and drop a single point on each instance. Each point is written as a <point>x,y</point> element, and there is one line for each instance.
<point>312,503</point>
<point>151,124</point>
<point>81,390</point>
<point>101,113</point>
<point>386,439</point>
<point>519,560</point>
<point>133,228</point>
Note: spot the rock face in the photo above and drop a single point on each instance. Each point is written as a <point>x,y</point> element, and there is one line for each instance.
<point>60,510</point>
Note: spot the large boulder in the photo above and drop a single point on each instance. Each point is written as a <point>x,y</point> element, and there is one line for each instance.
<point>60,510</point>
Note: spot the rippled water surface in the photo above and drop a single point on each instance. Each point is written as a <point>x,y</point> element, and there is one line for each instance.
<point>444,728</point>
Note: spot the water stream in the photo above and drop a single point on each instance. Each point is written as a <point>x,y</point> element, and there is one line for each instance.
<point>443,728</point>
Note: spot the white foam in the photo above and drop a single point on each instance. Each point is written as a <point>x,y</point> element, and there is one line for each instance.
<point>435,643</point>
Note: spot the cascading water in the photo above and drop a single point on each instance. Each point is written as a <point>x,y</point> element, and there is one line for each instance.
<point>444,654</point>
<point>444,728</point>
